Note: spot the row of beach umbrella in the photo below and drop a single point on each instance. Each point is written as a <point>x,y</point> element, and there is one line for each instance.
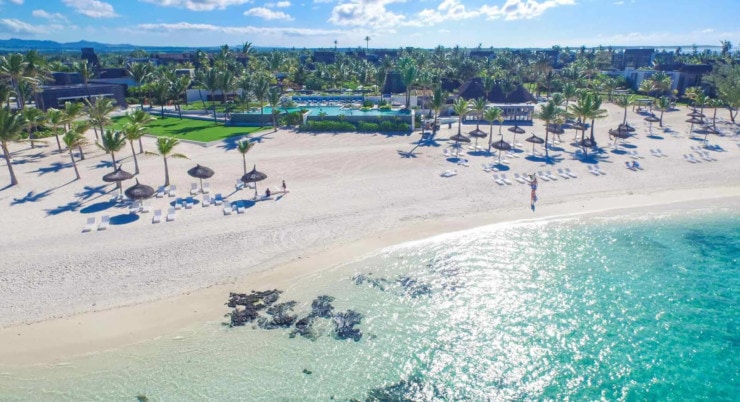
<point>142,191</point>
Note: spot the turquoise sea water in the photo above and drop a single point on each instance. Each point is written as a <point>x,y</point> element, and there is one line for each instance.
<point>581,309</point>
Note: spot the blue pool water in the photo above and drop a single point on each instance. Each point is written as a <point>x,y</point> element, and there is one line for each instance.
<point>581,309</point>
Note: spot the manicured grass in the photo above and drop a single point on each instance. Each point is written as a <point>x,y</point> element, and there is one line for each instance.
<point>189,129</point>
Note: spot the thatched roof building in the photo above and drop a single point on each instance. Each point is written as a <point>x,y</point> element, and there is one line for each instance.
<point>473,89</point>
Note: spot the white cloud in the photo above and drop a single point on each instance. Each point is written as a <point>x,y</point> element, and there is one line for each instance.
<point>51,17</point>
<point>92,8</point>
<point>233,30</point>
<point>618,3</point>
<point>266,13</point>
<point>17,1</point>
<point>366,12</point>
<point>282,4</point>
<point>198,5</point>
<point>15,26</point>
<point>522,9</point>
<point>448,10</point>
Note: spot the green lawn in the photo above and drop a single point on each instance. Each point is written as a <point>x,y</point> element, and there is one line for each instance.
<point>189,129</point>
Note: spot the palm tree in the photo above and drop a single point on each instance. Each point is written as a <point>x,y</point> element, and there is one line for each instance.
<point>209,79</point>
<point>86,72</point>
<point>569,92</point>
<point>11,126</point>
<point>112,142</point>
<point>13,68</point>
<point>273,98</point>
<point>55,117</point>
<point>548,112</point>
<point>34,117</point>
<point>140,73</point>
<point>260,88</point>
<point>73,110</point>
<point>581,110</point>
<point>141,118</point>
<point>165,146</point>
<point>98,111</point>
<point>367,44</point>
<point>438,100</point>
<point>461,109</point>
<point>491,115</point>
<point>132,132</point>
<point>478,106</point>
<point>624,102</point>
<point>244,146</point>
<point>596,113</point>
<point>409,73</point>
<point>663,104</point>
<point>75,138</point>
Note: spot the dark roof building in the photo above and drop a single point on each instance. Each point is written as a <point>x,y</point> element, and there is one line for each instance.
<point>634,58</point>
<point>88,54</point>
<point>393,83</point>
<point>55,95</point>
<point>473,89</point>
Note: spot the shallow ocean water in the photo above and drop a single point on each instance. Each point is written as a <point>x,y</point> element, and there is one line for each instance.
<point>584,308</point>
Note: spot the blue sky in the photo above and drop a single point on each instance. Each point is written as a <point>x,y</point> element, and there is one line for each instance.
<point>388,23</point>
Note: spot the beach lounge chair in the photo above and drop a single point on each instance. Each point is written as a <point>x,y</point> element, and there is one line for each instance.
<point>206,187</point>
<point>659,152</point>
<point>571,174</point>
<point>464,162</point>
<point>520,179</point>
<point>563,174</point>
<point>189,202</point>
<point>157,217</point>
<point>636,165</point>
<point>498,180</point>
<point>239,184</point>
<point>593,170</point>
<point>206,201</point>
<point>599,171</point>
<point>449,173</point>
<point>134,207</point>
<point>145,208</point>
<point>551,176</point>
<point>89,225</point>
<point>104,221</point>
<point>705,156</point>
<point>690,159</point>
<point>446,152</point>
<point>227,209</point>
<point>486,167</point>
<point>194,189</point>
<point>218,199</point>
<point>239,208</point>
<point>505,179</point>
<point>161,191</point>
<point>173,191</point>
<point>542,176</point>
<point>179,203</point>
<point>170,214</point>
<point>629,166</point>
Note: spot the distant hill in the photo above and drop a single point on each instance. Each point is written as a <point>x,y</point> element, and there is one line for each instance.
<point>16,45</point>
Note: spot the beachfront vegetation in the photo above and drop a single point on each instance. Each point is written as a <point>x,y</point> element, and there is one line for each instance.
<point>165,149</point>
<point>387,126</point>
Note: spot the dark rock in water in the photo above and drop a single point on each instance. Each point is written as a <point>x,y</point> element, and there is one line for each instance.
<point>280,316</point>
<point>345,322</point>
<point>321,307</point>
<point>414,288</point>
<point>307,371</point>
<point>403,391</point>
<point>360,279</point>
<point>251,305</point>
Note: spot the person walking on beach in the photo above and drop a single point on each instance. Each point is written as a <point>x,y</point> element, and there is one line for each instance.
<point>284,186</point>
<point>533,196</point>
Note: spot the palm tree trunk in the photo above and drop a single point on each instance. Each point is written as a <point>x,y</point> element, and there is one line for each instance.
<point>547,135</point>
<point>136,161</point>
<point>490,137</point>
<point>213,105</point>
<point>661,118</point>
<point>82,154</point>
<point>74,164</point>
<point>59,144</point>
<point>6,153</point>
<point>244,159</point>
<point>141,146</point>
<point>166,172</point>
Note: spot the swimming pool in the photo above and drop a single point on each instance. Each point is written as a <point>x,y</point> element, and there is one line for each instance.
<point>333,111</point>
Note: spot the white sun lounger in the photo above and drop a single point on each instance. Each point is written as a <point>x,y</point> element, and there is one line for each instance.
<point>690,159</point>
<point>520,179</point>
<point>599,171</point>
<point>161,191</point>
<point>170,214</point>
<point>486,167</point>
<point>660,153</point>
<point>449,173</point>
<point>446,152</point>
<point>173,191</point>
<point>571,174</point>
<point>593,170</point>
<point>194,189</point>
<point>206,201</point>
<point>239,208</point>
<point>498,180</point>
<point>89,225</point>
<point>227,209</point>
<point>542,176</point>
<point>551,176</point>
<point>505,179</point>
<point>178,203</point>
<point>563,174</point>
<point>239,184</point>
<point>206,187</point>
<point>157,217</point>
<point>218,199</point>
<point>705,156</point>
<point>135,207</point>
<point>104,221</point>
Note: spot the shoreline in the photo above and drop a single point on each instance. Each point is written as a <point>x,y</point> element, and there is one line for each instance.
<point>57,340</point>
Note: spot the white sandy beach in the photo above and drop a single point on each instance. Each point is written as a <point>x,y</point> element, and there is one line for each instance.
<point>65,293</point>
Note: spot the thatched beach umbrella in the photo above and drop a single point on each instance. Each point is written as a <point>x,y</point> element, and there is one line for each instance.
<point>117,176</point>
<point>652,119</point>
<point>694,120</point>
<point>535,140</point>
<point>477,133</point>
<point>200,173</point>
<point>516,130</point>
<point>253,177</point>
<point>619,134</point>
<point>458,138</point>
<point>501,145</point>
<point>578,127</point>
<point>139,191</point>
<point>626,127</point>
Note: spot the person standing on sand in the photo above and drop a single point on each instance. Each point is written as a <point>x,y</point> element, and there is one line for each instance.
<point>533,185</point>
<point>284,186</point>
